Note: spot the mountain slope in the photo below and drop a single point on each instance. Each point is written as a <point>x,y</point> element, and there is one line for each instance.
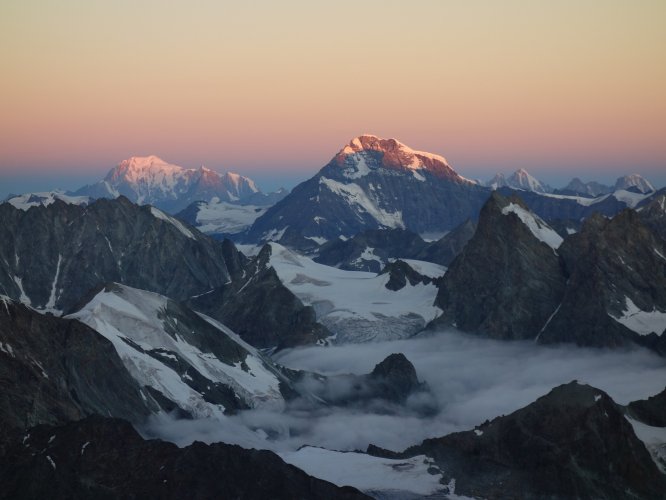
<point>551,449</point>
<point>507,280</point>
<point>616,290</point>
<point>51,256</point>
<point>550,206</point>
<point>220,218</point>
<point>652,212</point>
<point>355,306</point>
<point>372,183</point>
<point>259,307</point>
<point>106,458</point>
<point>371,250</point>
<point>151,180</point>
<point>53,370</point>
<point>195,363</point>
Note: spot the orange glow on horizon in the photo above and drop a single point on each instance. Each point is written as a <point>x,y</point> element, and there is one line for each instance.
<point>260,84</point>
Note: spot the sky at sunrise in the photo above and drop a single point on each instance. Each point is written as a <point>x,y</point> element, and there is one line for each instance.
<point>274,89</point>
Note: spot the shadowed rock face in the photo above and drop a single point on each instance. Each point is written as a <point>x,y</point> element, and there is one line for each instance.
<point>653,213</point>
<point>506,282</point>
<point>258,307</point>
<point>449,246</point>
<point>609,262</point>
<point>572,443</point>
<point>106,458</point>
<point>549,208</point>
<point>389,388</point>
<point>72,251</point>
<point>651,411</point>
<point>385,244</point>
<point>60,252</point>
<point>352,254</point>
<point>400,273</point>
<point>395,378</point>
<point>53,370</point>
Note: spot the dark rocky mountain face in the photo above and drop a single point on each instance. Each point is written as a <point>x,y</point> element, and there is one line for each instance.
<point>653,213</point>
<point>650,411</point>
<point>52,256</point>
<point>551,449</point>
<point>54,370</point>
<point>372,249</point>
<point>604,286</point>
<point>548,207</point>
<point>257,306</point>
<point>395,378</point>
<point>444,250</point>
<point>106,458</point>
<point>616,271</point>
<point>72,251</point>
<point>565,227</point>
<point>264,199</point>
<point>386,389</point>
<point>400,273</point>
<point>506,282</point>
<point>373,183</point>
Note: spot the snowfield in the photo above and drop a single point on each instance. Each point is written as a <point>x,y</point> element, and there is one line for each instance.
<point>134,321</point>
<point>641,322</point>
<point>218,216</point>
<point>356,306</point>
<point>382,476</point>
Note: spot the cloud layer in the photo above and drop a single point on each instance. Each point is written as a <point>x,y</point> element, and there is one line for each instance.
<point>472,379</point>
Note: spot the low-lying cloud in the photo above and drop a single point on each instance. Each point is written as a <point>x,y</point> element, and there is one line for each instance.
<point>472,379</point>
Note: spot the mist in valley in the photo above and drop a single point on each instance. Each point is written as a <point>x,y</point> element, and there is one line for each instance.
<point>471,379</point>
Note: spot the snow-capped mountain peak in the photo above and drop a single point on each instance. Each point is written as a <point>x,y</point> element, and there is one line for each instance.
<point>634,181</point>
<point>520,179</point>
<point>28,200</point>
<point>238,180</point>
<point>151,180</point>
<point>151,170</point>
<point>393,155</point>
<point>498,181</point>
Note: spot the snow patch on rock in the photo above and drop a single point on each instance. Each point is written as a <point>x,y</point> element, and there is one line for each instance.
<point>175,222</point>
<point>353,194</point>
<point>536,225</point>
<point>639,321</point>
<point>368,473</point>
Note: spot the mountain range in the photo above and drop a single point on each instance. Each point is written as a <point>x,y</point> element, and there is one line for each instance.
<point>151,180</point>
<point>126,306</point>
<point>522,180</point>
